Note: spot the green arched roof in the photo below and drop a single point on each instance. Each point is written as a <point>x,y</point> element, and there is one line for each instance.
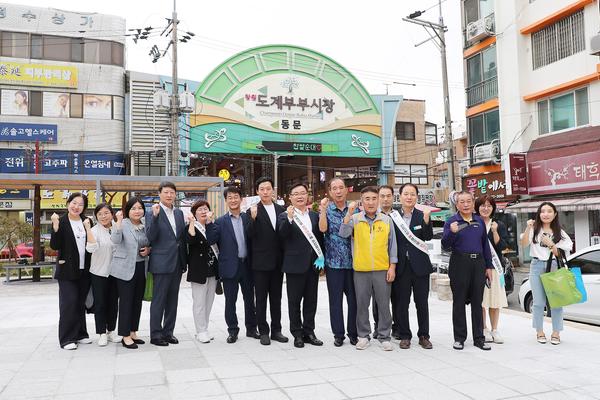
<point>253,63</point>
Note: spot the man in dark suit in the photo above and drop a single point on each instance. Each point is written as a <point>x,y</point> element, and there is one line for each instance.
<point>266,260</point>
<point>299,256</point>
<point>165,229</point>
<point>413,268</point>
<point>230,232</point>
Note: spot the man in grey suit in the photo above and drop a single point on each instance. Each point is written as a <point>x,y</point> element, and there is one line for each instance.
<point>165,228</point>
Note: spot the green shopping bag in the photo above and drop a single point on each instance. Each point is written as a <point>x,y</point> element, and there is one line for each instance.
<point>149,287</point>
<point>560,286</point>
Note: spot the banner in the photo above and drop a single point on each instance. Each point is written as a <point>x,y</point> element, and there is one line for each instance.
<point>13,132</point>
<point>62,162</point>
<point>57,199</point>
<point>16,73</point>
<point>518,173</point>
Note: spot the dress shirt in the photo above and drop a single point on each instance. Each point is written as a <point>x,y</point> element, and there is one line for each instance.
<point>170,216</point>
<point>338,250</point>
<point>102,251</point>
<point>80,239</point>
<point>270,208</point>
<point>238,230</point>
<point>304,217</point>
<point>468,240</point>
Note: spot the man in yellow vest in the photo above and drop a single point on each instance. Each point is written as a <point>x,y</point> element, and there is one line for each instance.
<point>374,258</point>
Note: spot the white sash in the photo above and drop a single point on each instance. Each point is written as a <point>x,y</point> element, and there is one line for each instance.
<point>408,234</point>
<point>202,230</point>
<point>497,263</point>
<point>309,235</point>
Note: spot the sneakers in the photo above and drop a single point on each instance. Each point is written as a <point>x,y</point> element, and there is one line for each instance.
<point>70,346</point>
<point>488,336</point>
<point>85,340</point>
<point>103,340</point>
<point>203,337</point>
<point>497,338</point>
<point>387,346</point>
<point>113,337</point>
<point>362,343</point>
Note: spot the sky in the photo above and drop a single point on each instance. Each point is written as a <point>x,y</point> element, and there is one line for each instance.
<point>368,38</point>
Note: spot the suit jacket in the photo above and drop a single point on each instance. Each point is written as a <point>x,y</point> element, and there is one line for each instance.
<point>221,232</point>
<point>199,253</point>
<point>67,261</point>
<point>298,254</point>
<point>168,249</point>
<point>265,243</point>
<point>419,261</point>
<point>125,251</point>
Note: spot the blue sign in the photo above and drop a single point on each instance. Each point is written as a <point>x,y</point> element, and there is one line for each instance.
<point>62,162</point>
<point>29,217</point>
<point>13,194</point>
<point>12,132</point>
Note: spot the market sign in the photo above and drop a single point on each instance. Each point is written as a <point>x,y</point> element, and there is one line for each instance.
<point>518,173</point>
<point>15,204</point>
<point>17,132</point>
<point>61,162</point>
<point>26,74</point>
<point>12,194</point>
<point>298,147</point>
<point>492,184</point>
<point>579,172</point>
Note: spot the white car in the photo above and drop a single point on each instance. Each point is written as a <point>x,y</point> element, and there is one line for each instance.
<point>588,260</point>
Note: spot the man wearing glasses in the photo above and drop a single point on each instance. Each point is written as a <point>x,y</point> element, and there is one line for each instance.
<point>302,257</point>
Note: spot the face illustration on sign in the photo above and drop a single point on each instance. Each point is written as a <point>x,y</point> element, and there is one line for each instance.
<point>289,104</point>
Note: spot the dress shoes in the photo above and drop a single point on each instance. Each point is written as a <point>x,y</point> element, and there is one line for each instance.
<point>129,346</point>
<point>353,341</point>
<point>278,337</point>
<point>425,343</point>
<point>265,340</point>
<point>138,341</point>
<point>312,339</point>
<point>159,342</point>
<point>338,341</point>
<point>172,339</point>
<point>482,345</point>
<point>298,342</point>
<point>405,344</point>
<point>396,335</point>
<point>232,338</point>
<point>253,334</point>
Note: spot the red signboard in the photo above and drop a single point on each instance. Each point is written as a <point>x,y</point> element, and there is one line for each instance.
<point>580,172</point>
<point>493,184</point>
<point>518,173</point>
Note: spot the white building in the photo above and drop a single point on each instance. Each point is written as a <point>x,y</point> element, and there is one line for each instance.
<point>62,85</point>
<point>532,82</point>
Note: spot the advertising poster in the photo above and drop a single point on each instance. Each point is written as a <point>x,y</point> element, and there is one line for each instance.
<point>56,104</point>
<point>15,102</point>
<point>97,106</point>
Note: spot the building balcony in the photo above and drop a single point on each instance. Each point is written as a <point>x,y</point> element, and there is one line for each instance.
<point>486,152</point>
<point>482,92</point>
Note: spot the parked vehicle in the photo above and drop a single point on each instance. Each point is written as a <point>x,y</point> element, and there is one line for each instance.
<point>588,259</point>
<point>23,250</point>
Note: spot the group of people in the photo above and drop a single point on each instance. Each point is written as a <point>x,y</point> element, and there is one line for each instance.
<point>373,255</point>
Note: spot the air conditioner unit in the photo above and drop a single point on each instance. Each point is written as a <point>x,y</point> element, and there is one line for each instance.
<point>481,28</point>
<point>439,184</point>
<point>187,102</point>
<point>595,45</point>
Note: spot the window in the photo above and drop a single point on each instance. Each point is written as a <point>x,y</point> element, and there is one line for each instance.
<point>485,127</point>
<point>410,173</point>
<point>90,51</point>
<point>117,54</point>
<point>588,262</point>
<point>431,134</point>
<point>477,9</point>
<point>105,52</point>
<point>37,46</point>
<point>559,40</point>
<point>405,130</point>
<point>481,77</point>
<point>15,44</point>
<point>57,48</point>
<point>35,103</point>
<point>563,112</point>
<point>76,106</point>
<point>76,49</point>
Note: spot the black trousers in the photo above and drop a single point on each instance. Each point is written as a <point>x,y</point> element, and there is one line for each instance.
<point>131,293</point>
<point>106,302</point>
<point>302,293</point>
<point>340,282</point>
<point>467,279</point>
<point>405,284</point>
<point>163,309</point>
<point>394,312</point>
<point>243,279</point>
<point>71,306</point>
<point>268,284</point>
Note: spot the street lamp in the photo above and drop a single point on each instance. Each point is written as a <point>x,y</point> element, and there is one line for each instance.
<point>275,163</point>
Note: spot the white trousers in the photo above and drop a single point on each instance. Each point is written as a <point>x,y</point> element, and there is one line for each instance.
<point>203,295</point>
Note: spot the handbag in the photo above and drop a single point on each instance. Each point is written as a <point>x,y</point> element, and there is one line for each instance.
<point>219,287</point>
<point>560,287</point>
<point>579,283</point>
<point>149,287</point>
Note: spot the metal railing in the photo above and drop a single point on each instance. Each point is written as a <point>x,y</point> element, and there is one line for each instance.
<point>482,91</point>
<point>485,152</point>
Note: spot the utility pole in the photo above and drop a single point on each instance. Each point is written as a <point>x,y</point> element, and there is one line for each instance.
<point>174,100</point>
<point>439,40</point>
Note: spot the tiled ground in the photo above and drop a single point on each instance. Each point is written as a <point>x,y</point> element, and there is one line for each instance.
<point>32,366</point>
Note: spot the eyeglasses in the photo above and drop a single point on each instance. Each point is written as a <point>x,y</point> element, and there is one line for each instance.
<point>298,194</point>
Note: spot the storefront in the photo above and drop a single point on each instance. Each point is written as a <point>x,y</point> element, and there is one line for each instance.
<point>291,107</point>
<point>565,170</point>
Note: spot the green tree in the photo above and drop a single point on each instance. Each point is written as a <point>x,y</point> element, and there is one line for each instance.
<point>13,232</point>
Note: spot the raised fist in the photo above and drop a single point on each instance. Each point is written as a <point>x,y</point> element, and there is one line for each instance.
<point>210,217</point>
<point>494,226</point>
<point>530,223</point>
<point>324,203</point>
<point>253,211</point>
<point>54,217</point>
<point>290,212</point>
<point>454,227</point>
<point>427,215</point>
<point>86,224</point>
<point>119,216</point>
<point>352,208</point>
<point>155,209</point>
<point>191,219</point>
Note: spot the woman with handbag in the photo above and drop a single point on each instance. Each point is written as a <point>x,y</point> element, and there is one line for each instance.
<point>104,286</point>
<point>545,239</point>
<point>68,237</point>
<point>494,295</point>
<point>202,269</point>
<point>129,267</point>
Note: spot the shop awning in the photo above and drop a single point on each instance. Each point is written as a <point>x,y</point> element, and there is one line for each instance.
<point>563,204</point>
